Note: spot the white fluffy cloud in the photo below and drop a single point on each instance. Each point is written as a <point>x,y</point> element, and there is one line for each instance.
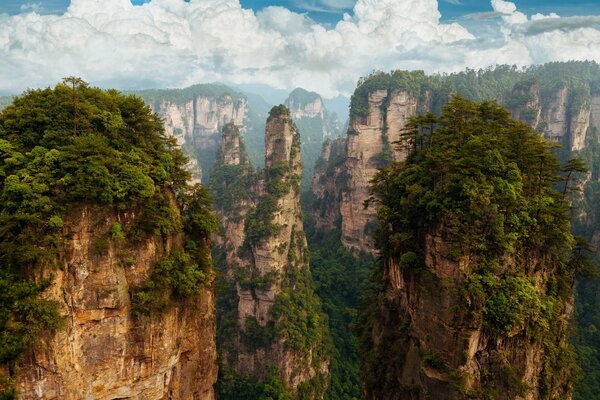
<point>171,43</point>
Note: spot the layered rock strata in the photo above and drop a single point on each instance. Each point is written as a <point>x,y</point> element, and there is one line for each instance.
<point>105,351</point>
<point>267,264</point>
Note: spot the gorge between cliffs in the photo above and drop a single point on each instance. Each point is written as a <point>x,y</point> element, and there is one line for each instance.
<point>204,244</point>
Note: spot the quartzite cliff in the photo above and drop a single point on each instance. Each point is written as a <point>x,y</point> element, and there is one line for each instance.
<point>105,351</point>
<point>568,113</point>
<point>277,320</point>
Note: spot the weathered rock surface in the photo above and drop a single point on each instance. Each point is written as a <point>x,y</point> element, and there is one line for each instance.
<point>104,352</point>
<point>197,123</point>
<point>315,125</point>
<point>434,337</point>
<point>555,115</point>
<point>341,190</point>
<point>304,104</point>
<point>328,184</point>
<point>260,267</point>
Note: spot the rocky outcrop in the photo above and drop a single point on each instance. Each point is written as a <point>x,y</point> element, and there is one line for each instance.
<point>105,351</point>
<point>561,120</point>
<point>195,117</point>
<point>304,104</point>
<point>269,272</point>
<point>328,185</point>
<point>595,113</point>
<point>315,125</point>
<point>578,128</point>
<point>443,353</point>
<point>237,190</point>
<point>568,115</point>
<point>369,147</point>
<point>555,115</point>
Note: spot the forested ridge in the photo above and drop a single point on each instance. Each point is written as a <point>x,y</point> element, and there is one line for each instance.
<point>521,209</point>
<point>71,147</point>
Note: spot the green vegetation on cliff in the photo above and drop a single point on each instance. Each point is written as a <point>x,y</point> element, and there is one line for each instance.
<point>77,146</point>
<point>484,184</point>
<point>295,328</point>
<point>340,279</point>
<point>182,96</point>
<point>524,91</point>
<point>502,83</point>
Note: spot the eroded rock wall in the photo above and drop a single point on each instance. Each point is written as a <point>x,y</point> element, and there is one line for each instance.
<point>328,185</point>
<point>197,125</point>
<point>442,352</point>
<point>105,351</point>
<point>369,146</point>
<point>266,254</point>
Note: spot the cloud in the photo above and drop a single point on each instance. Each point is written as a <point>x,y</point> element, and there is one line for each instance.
<point>174,43</point>
<point>540,24</point>
<point>35,7</point>
<point>326,6</point>
<point>282,20</point>
<point>508,11</point>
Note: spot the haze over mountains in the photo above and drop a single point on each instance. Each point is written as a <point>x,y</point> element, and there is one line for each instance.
<point>299,200</point>
<point>456,281</point>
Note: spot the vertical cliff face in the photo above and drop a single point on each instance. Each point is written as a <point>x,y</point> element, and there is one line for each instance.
<point>304,104</point>
<point>328,184</point>
<point>555,115</point>
<point>564,115</point>
<point>237,189</point>
<point>460,310</point>
<point>527,105</point>
<point>197,124</point>
<point>315,125</point>
<point>195,117</point>
<point>269,276</point>
<point>369,147</point>
<point>105,351</point>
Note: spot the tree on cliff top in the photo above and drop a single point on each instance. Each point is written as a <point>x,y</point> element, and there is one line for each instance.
<point>484,184</point>
<point>77,145</point>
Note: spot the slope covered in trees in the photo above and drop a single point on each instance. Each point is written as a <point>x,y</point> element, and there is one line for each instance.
<point>560,100</point>
<point>75,146</point>
<point>471,221</point>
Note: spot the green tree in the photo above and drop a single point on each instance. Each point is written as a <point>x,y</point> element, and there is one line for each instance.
<point>484,183</point>
<point>73,146</point>
<point>574,165</point>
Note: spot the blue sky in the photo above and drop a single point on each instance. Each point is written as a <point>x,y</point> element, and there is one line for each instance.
<point>450,9</point>
<point>173,43</point>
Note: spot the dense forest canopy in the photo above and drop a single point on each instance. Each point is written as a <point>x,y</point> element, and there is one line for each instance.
<point>493,83</point>
<point>74,146</point>
<point>485,184</point>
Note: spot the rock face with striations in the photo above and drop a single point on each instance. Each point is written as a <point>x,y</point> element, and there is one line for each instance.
<point>105,351</point>
<point>268,271</point>
<point>568,114</point>
<point>304,104</point>
<point>315,124</point>
<point>195,117</point>
<point>343,189</point>
<point>327,184</point>
<point>564,115</point>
